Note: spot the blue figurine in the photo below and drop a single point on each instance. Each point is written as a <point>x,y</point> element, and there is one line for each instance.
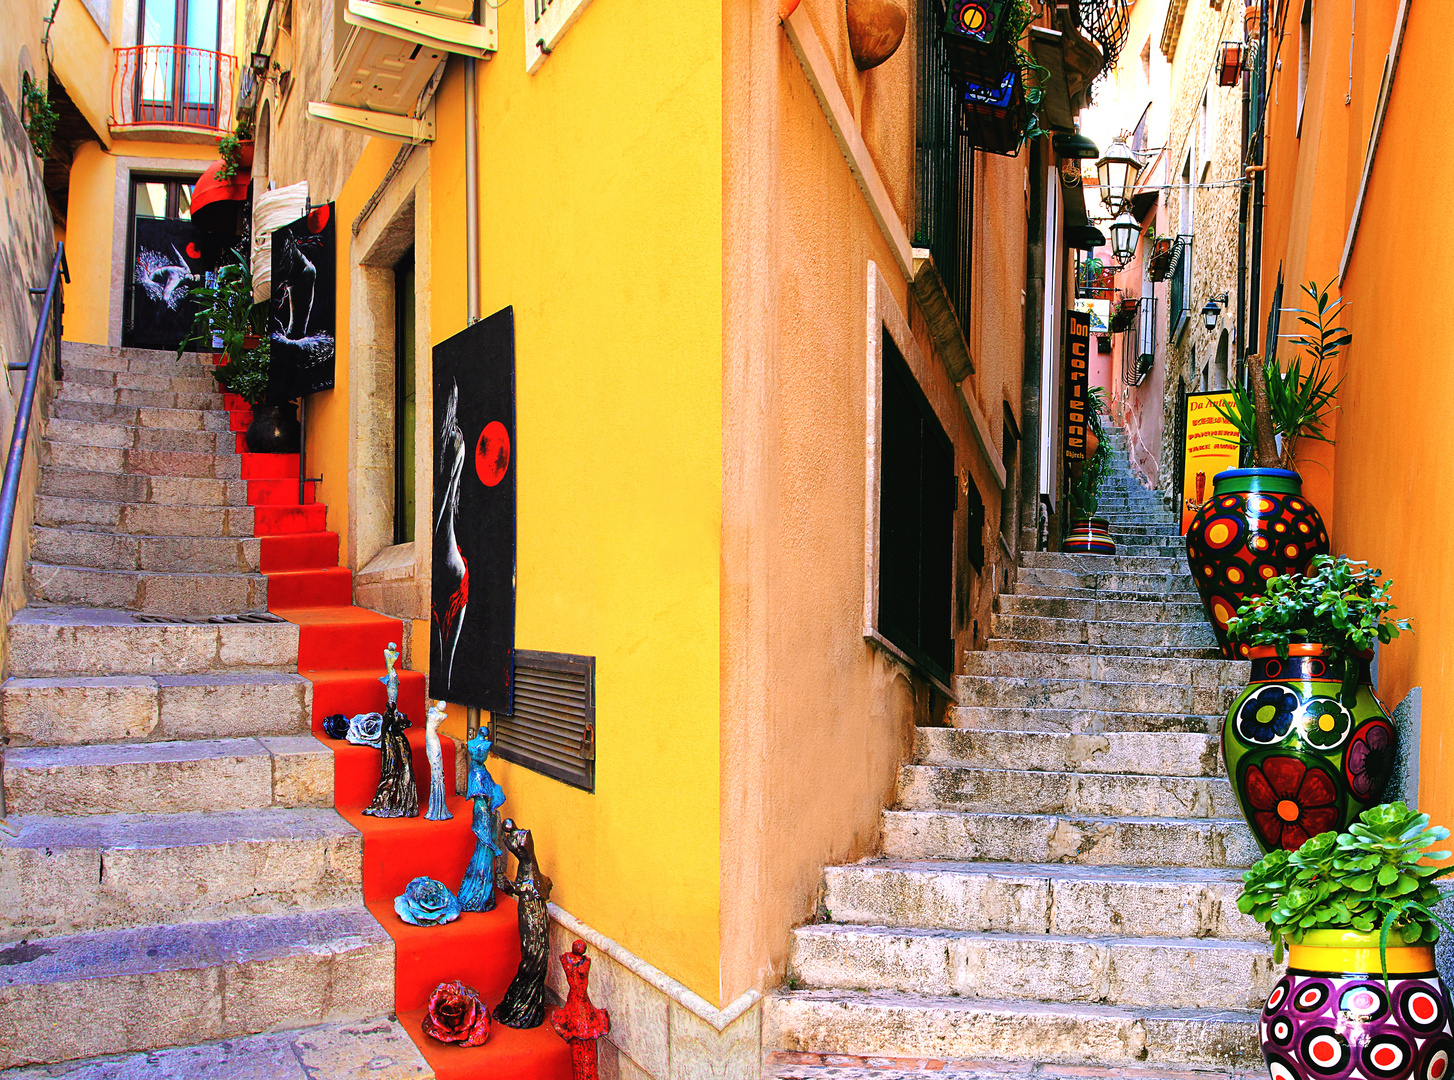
<point>477,890</point>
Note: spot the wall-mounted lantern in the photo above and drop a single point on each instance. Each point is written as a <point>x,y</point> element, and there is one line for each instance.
<point>1073,149</point>
<point>1230,61</point>
<point>1213,311</point>
<point>1125,234</point>
<point>1117,172</point>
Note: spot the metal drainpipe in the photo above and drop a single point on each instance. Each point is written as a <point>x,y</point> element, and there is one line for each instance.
<point>1242,236</point>
<point>471,195</point>
<point>1255,292</point>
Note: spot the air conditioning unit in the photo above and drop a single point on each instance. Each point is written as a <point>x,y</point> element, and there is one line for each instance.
<point>448,9</point>
<point>438,24</point>
<point>382,85</point>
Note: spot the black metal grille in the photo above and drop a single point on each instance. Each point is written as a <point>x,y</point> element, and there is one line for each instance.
<point>1180,287</point>
<point>1139,349</point>
<point>945,169</point>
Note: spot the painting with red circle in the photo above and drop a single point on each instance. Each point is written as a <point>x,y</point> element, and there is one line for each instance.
<point>492,453</point>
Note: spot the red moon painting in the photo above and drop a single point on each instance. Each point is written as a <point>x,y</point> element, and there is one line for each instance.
<point>492,453</point>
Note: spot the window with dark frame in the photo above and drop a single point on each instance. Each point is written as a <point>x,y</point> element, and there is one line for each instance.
<point>918,491</point>
<point>177,75</point>
<point>404,398</point>
<point>552,729</point>
<point>945,170</point>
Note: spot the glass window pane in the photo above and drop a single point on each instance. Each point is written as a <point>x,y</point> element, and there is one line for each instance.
<point>202,24</point>
<point>159,23</point>
<point>151,199</point>
<point>184,206</point>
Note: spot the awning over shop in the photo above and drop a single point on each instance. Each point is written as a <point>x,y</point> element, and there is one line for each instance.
<point>1084,237</point>
<point>1048,48</point>
<point>215,201</point>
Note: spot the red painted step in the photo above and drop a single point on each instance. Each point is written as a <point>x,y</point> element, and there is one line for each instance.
<point>279,492</point>
<point>326,586</point>
<point>269,466</point>
<point>285,520</point>
<point>341,640</point>
<point>299,551</point>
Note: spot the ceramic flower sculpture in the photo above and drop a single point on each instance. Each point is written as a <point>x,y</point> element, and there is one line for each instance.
<point>365,729</point>
<point>426,902</point>
<point>457,1015</point>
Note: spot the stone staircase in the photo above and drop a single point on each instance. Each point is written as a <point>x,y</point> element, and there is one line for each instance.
<point>1056,895</point>
<point>179,876</point>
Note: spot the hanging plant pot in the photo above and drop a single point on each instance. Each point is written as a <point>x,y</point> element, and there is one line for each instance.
<point>1255,526</point>
<point>992,115</point>
<point>1090,536</point>
<point>1333,1015</point>
<point>274,429</point>
<point>1302,757</point>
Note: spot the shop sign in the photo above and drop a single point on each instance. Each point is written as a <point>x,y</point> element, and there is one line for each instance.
<point>1210,443</point>
<point>1077,371</point>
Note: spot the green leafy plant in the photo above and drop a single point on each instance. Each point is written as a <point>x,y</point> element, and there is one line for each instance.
<point>225,309</point>
<point>1340,603</point>
<point>1018,19</point>
<point>1372,877</point>
<point>40,115</point>
<point>229,148</point>
<point>247,375</point>
<point>1085,486</point>
<point>1298,401</point>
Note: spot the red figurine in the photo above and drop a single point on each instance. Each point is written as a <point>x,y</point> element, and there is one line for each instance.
<point>579,1022</point>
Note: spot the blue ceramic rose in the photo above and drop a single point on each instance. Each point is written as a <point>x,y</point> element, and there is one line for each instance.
<point>366,729</point>
<point>426,902</point>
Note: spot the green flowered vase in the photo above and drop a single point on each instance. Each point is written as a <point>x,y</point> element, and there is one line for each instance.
<point>1301,760</point>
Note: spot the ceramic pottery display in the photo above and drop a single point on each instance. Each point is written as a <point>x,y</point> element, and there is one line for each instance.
<point>1302,762</point>
<point>1090,536</point>
<point>578,1021</point>
<point>274,429</point>
<point>426,902</point>
<point>1255,526</point>
<point>438,808</point>
<point>1332,1018</point>
<point>523,1005</point>
<point>457,1015</point>
<point>477,889</point>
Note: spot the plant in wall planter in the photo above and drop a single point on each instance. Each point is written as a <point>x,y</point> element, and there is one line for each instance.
<point>1090,535</point>
<point>1257,525</point>
<point>1361,996</point>
<point>1308,745</point>
<point>236,149</point>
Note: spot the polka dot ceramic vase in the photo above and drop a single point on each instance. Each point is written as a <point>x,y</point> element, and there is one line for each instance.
<point>1255,526</point>
<point>1332,1018</point>
<point>1301,761</point>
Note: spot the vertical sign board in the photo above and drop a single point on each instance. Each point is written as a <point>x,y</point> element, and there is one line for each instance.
<point>472,599</point>
<point>1077,372</point>
<point>302,317</point>
<point>1210,443</point>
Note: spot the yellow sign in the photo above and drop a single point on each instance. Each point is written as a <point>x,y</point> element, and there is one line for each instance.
<point>1210,444</point>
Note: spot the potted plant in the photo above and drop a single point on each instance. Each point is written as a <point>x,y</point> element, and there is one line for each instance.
<point>1356,912</point>
<point>231,323</point>
<point>1124,317</point>
<point>1090,535</point>
<point>1257,525</point>
<point>236,149</point>
<point>1308,745</point>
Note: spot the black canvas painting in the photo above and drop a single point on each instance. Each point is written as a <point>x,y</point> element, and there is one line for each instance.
<point>472,616</point>
<point>303,316</point>
<point>167,262</point>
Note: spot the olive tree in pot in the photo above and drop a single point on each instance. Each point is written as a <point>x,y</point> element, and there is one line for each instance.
<point>228,320</point>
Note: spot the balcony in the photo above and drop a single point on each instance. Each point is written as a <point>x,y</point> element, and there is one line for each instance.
<point>172,93</point>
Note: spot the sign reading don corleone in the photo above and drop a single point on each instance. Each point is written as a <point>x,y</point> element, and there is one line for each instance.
<point>546,22</point>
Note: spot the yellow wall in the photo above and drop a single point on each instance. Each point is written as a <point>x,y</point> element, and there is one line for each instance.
<point>83,62</point>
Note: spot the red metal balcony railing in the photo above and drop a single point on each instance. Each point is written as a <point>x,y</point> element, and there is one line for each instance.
<point>173,86</point>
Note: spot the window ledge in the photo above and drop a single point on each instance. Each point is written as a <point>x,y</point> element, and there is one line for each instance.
<point>878,641</point>
<point>393,564</point>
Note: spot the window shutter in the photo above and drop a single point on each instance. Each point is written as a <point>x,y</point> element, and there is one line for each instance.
<point>553,728</point>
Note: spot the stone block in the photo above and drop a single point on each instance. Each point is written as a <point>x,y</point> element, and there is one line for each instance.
<point>59,711</point>
<point>302,770</point>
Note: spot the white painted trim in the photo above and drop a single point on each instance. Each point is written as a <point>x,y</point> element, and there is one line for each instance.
<point>543,30</point>
<point>385,125</point>
<point>819,71</point>
<point>1385,91</point>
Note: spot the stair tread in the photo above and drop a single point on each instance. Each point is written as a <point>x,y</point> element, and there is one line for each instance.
<point>902,1000</point>
<point>830,930</point>
<point>848,1067</point>
<point>1189,875</point>
<point>166,831</point>
<point>1109,819</point>
<point>151,573</point>
<point>94,755</point>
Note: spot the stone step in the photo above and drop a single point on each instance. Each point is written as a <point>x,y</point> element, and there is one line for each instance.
<point>124,358</point>
<point>892,1024</point>
<point>110,459</point>
<point>139,399</point>
<point>1101,610</point>
<point>1132,522</point>
<point>70,710</point>
<point>129,551</point>
<point>1102,901</point>
<point>178,777</point>
<point>82,874</point>
<point>1139,753</point>
<point>136,488</point>
<point>1202,674</point>
<point>1106,564</point>
<point>122,991</point>
<point>1034,588</point>
<point>1179,582</point>
<point>147,591</point>
<point>784,1065</point>
<point>377,1048</point>
<point>214,418</point>
<point>1134,546</point>
<point>1177,973</point>
<point>1072,693</point>
<point>94,433</point>
<point>144,519</point>
<point>1090,841</point>
<point>1097,795</point>
<point>1103,632</point>
<point>84,641</point>
<point>1174,652</point>
<point>191,382</point>
<point>1079,721</point>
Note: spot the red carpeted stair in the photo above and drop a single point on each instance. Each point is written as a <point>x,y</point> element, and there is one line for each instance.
<point>340,650</point>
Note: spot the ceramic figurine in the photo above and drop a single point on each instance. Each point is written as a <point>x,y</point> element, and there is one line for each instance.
<point>336,726</point>
<point>438,810</point>
<point>397,794</point>
<point>365,729</point>
<point>477,890</point>
<point>579,1022</point>
<point>523,1005</point>
<point>390,678</point>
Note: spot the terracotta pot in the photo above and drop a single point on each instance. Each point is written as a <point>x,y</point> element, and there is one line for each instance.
<point>244,153</point>
<point>1331,1016</point>
<point>1255,526</point>
<point>1252,21</point>
<point>1089,536</point>
<point>1301,760</point>
<point>274,429</point>
<point>875,29</point>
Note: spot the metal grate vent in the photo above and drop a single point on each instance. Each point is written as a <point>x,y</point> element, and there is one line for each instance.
<point>553,728</point>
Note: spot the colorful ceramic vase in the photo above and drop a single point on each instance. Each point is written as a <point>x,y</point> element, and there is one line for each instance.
<point>1090,536</point>
<point>1300,761</point>
<point>1255,526</point>
<point>1332,1018</point>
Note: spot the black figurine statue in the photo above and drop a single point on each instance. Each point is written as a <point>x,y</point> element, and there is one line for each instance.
<point>397,794</point>
<point>523,1005</point>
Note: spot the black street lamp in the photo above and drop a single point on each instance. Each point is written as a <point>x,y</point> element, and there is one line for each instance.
<point>1117,173</point>
<point>1125,233</point>
<point>1213,309</point>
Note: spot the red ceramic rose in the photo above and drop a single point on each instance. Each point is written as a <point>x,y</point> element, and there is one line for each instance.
<point>457,1015</point>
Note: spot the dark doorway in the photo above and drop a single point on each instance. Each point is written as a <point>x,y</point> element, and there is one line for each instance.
<point>404,398</point>
<point>162,261</point>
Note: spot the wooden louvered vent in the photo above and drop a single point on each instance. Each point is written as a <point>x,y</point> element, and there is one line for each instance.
<point>553,727</point>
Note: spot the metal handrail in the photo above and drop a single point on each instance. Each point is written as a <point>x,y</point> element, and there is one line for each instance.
<point>173,86</point>
<point>50,315</point>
